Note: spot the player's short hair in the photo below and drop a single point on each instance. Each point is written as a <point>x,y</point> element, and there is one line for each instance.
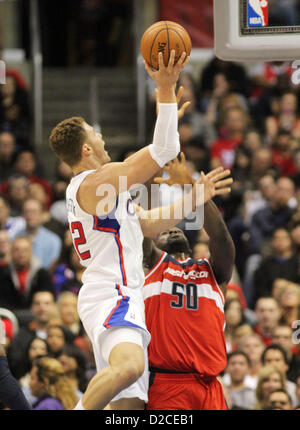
<point>67,138</point>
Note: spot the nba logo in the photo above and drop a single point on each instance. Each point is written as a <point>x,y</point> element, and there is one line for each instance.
<point>258,13</point>
<point>2,72</point>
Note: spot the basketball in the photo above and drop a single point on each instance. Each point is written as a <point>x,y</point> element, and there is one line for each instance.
<point>163,36</point>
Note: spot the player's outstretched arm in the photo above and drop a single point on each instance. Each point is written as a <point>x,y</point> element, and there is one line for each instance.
<point>221,246</point>
<point>156,220</point>
<point>145,163</point>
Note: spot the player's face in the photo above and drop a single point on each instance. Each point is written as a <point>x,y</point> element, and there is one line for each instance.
<point>171,238</point>
<point>98,145</point>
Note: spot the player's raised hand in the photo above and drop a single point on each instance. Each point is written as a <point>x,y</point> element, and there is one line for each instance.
<point>178,173</point>
<point>216,182</point>
<point>167,76</point>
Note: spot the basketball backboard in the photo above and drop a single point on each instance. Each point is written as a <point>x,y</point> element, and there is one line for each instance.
<point>254,30</point>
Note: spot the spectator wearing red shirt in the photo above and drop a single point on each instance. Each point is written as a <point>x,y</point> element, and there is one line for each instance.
<point>22,277</point>
<point>233,125</point>
<point>282,154</point>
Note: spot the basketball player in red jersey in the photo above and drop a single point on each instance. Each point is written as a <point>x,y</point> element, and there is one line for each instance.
<point>184,300</point>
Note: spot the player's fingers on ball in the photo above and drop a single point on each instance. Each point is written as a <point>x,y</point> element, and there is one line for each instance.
<point>181,59</point>
<point>161,64</point>
<point>171,59</point>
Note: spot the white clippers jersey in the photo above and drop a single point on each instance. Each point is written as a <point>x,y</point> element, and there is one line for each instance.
<point>109,247</point>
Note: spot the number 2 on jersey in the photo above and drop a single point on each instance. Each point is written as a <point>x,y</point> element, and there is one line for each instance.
<point>79,240</point>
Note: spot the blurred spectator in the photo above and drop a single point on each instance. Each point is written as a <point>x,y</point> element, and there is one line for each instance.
<point>274,355</point>
<point>282,156</point>
<point>235,75</point>
<point>67,311</point>
<point>289,300</point>
<point>37,192</point>
<point>253,346</point>
<point>287,118</point>
<point>7,152</point>
<point>49,384</point>
<point>269,379</point>
<point>26,165</point>
<point>277,214</point>
<point>67,275</point>
<point>12,224</point>
<point>268,316</point>
<point>280,400</point>
<point>58,209</point>
<point>197,124</point>
<point>46,244</point>
<point>38,347</point>
<point>14,110</point>
<point>261,165</point>
<point>16,189</point>
<point>234,317</point>
<point>57,337</point>
<point>282,335</point>
<point>238,365</point>
<point>43,309</point>
<point>283,263</point>
<point>74,364</point>
<point>23,277</point>
<point>232,125</point>
<point>239,332</point>
<point>5,248</point>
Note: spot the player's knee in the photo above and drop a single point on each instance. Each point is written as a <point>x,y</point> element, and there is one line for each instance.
<point>130,369</point>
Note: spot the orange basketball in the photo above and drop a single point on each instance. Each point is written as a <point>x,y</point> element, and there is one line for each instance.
<point>163,36</point>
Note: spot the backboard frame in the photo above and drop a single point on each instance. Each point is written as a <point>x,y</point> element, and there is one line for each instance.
<point>233,44</point>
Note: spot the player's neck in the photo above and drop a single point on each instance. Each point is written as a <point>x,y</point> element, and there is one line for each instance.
<point>86,164</point>
<point>180,256</point>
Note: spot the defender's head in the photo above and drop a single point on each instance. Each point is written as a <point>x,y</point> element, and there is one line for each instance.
<point>73,141</point>
<point>173,241</point>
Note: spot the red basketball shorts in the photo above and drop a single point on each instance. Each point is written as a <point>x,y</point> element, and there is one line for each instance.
<point>185,392</point>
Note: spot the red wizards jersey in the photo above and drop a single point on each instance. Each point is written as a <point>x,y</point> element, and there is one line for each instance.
<point>185,315</point>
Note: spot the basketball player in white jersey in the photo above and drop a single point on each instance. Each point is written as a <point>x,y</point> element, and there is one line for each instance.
<point>108,237</point>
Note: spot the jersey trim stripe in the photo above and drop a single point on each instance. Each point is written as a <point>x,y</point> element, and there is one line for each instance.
<point>111,225</point>
<point>117,316</point>
<point>116,307</point>
<point>156,265</point>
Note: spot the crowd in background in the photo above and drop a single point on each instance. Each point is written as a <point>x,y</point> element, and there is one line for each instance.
<point>245,120</point>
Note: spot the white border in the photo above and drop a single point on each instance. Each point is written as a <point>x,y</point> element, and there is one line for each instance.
<point>231,45</point>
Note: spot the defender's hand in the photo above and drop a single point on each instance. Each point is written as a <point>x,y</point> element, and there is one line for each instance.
<point>178,173</point>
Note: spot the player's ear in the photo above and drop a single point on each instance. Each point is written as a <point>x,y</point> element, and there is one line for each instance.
<point>86,150</point>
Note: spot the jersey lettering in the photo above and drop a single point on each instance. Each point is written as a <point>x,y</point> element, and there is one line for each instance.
<point>79,240</point>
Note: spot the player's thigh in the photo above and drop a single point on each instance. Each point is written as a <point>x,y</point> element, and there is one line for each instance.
<point>123,346</point>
